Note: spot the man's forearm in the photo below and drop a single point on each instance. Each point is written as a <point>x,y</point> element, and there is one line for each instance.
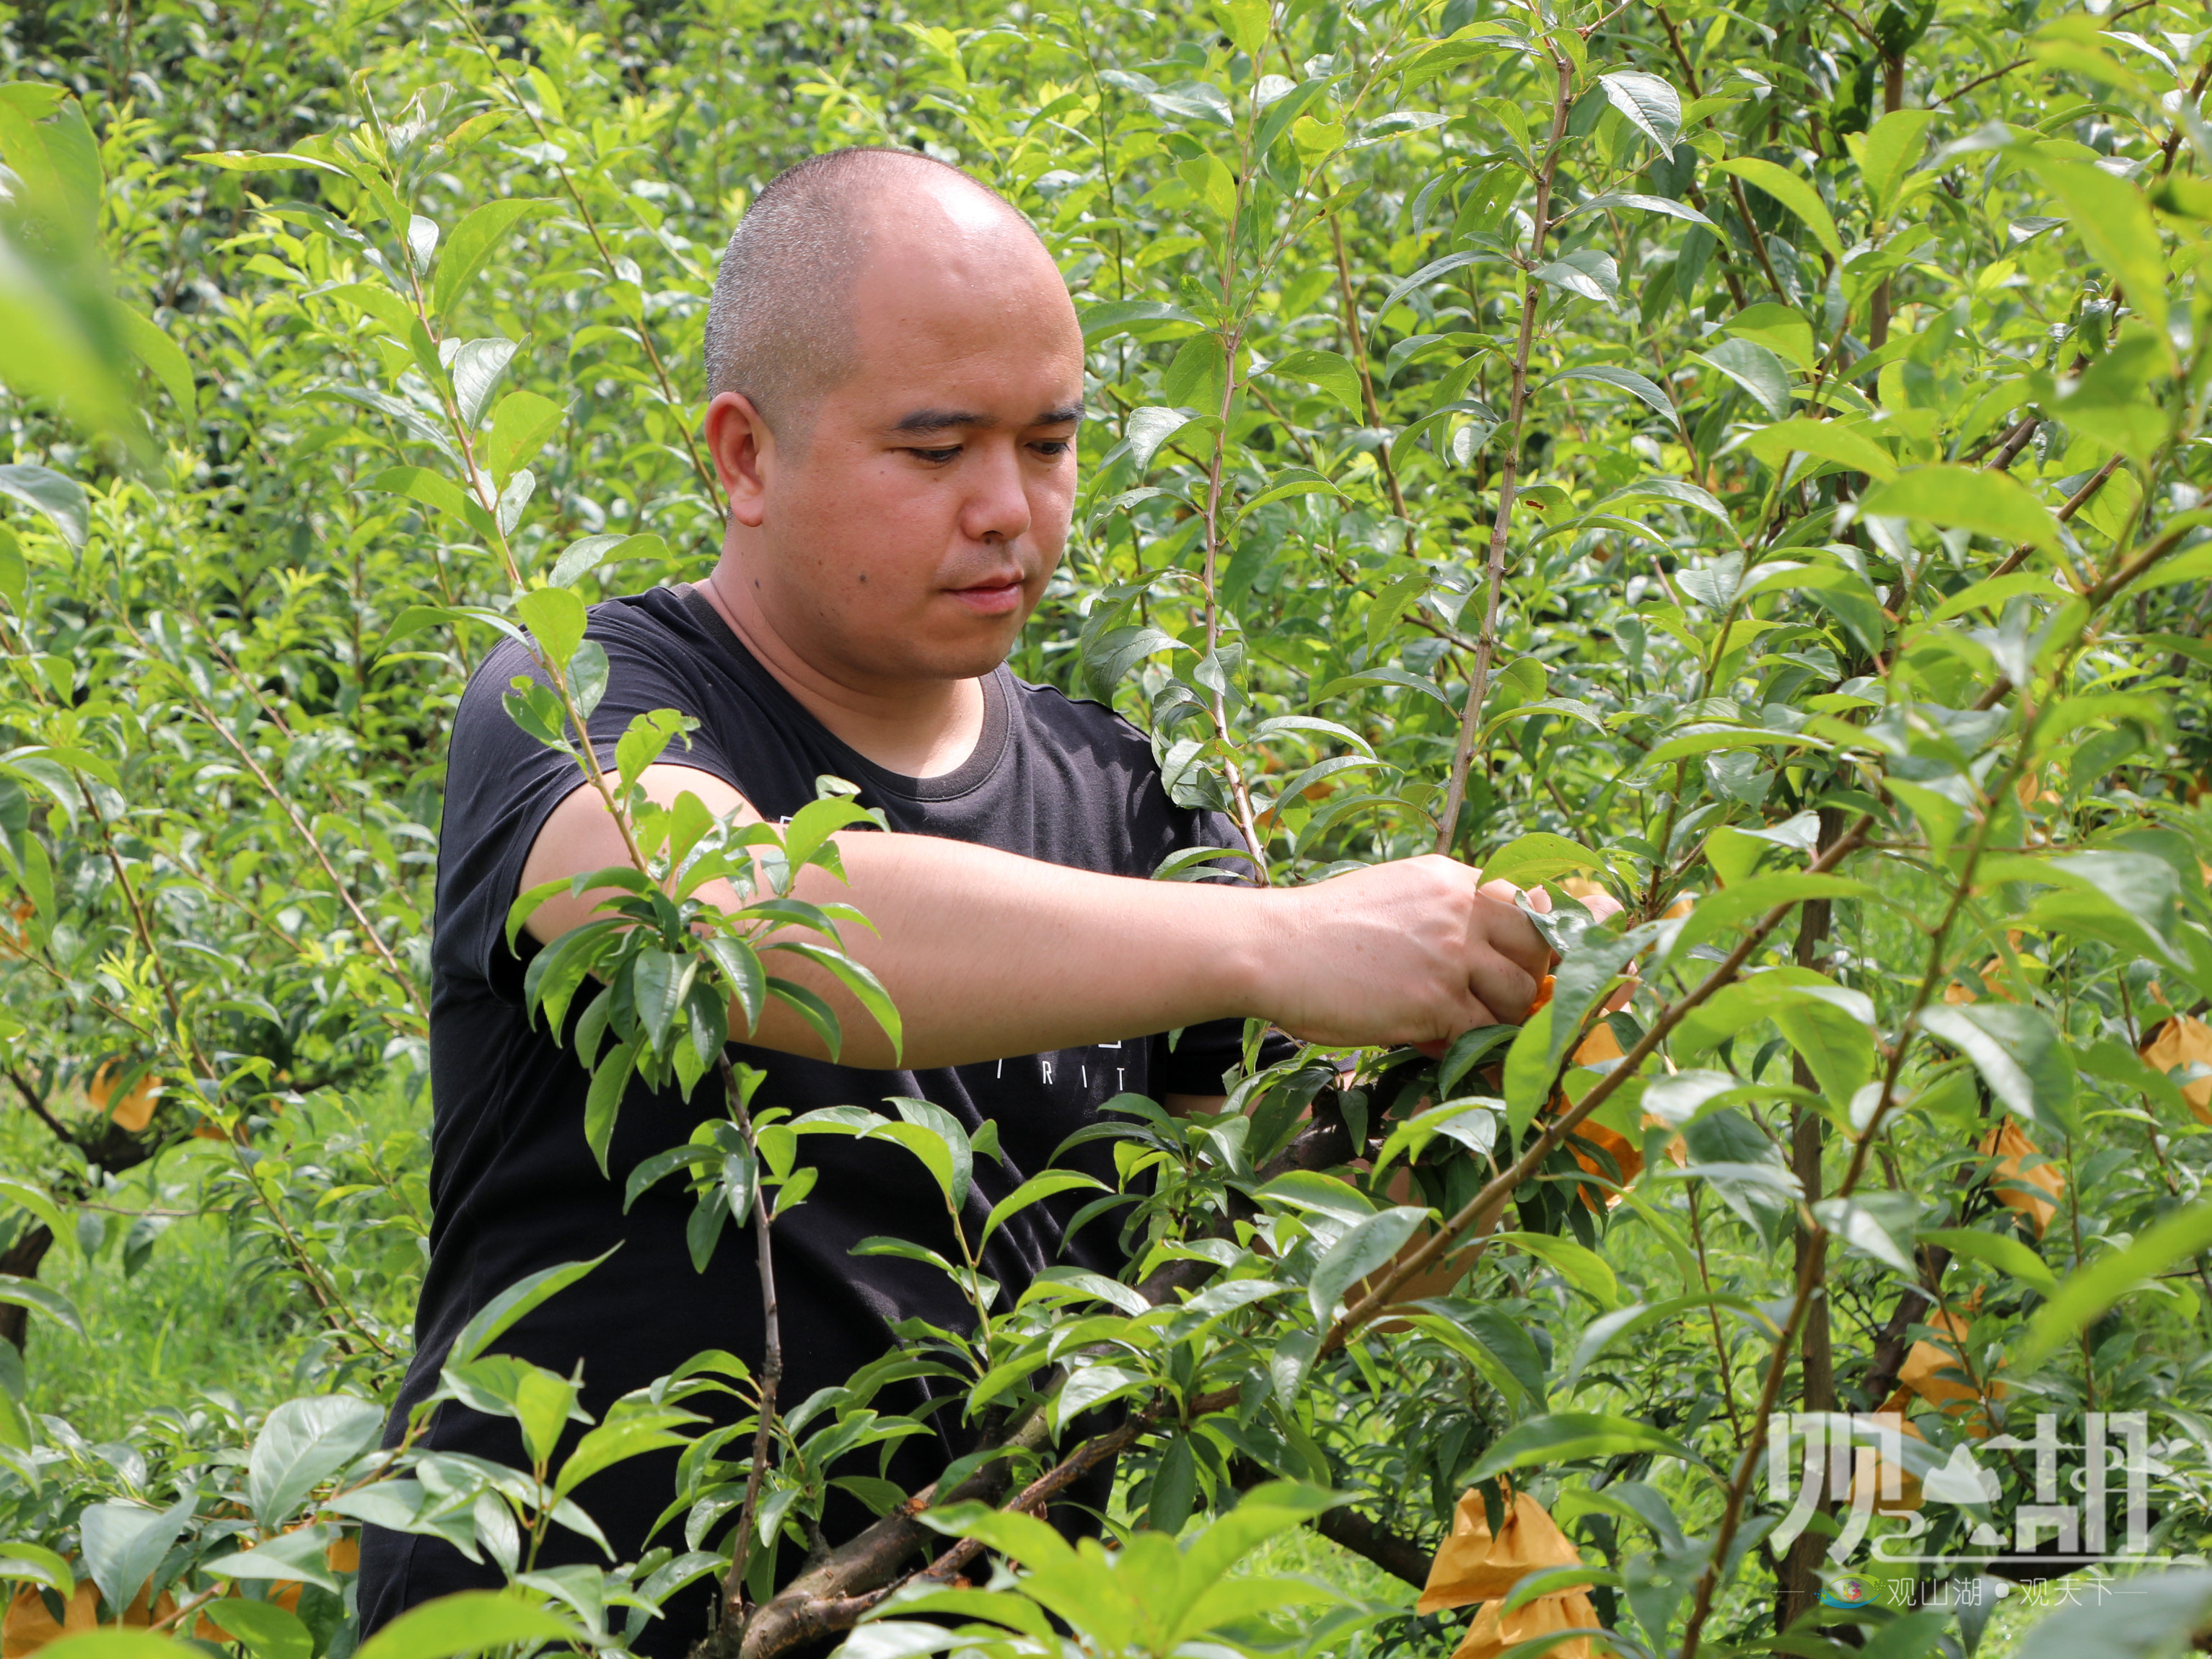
<point>987,954</point>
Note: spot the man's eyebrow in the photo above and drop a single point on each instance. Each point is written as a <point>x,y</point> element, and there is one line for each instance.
<point>946,420</point>
<point>938,420</point>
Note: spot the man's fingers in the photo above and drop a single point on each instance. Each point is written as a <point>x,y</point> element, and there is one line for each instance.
<point>1503,989</point>
<point>1515,937</point>
<point>1601,905</point>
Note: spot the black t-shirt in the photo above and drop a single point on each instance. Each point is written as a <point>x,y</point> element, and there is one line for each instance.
<point>513,1186</point>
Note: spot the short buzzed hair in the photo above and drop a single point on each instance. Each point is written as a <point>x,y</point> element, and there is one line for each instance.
<point>780,326</point>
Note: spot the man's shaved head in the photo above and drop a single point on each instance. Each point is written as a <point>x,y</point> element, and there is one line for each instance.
<point>780,328</point>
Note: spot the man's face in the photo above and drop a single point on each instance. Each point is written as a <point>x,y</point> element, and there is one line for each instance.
<point>911,532</point>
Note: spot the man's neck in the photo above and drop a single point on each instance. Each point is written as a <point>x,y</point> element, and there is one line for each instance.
<point>921,729</point>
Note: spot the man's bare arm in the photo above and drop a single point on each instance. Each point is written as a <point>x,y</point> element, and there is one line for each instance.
<point>987,954</point>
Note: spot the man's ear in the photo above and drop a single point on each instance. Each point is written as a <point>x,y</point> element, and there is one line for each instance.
<point>744,452</point>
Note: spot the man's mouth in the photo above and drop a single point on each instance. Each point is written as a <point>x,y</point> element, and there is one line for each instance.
<point>996,596</point>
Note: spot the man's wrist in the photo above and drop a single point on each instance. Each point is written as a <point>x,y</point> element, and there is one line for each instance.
<point>1249,948</point>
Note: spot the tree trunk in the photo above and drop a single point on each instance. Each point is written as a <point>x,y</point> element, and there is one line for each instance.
<point>20,1261</point>
<point>1798,1589</point>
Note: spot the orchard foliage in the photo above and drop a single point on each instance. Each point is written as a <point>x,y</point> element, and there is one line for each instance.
<point>1750,462</point>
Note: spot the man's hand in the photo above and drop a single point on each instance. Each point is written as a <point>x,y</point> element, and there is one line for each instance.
<point>1411,952</point>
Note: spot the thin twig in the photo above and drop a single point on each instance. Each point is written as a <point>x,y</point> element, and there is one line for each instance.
<point>1532,305</point>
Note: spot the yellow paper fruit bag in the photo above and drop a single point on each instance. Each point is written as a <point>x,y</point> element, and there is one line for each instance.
<point>1472,1565</point>
<point>2182,1040</point>
<point>1494,1633</point>
<point>2011,1149</point>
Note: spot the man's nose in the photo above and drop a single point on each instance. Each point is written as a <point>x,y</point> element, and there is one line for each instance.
<point>997,509</point>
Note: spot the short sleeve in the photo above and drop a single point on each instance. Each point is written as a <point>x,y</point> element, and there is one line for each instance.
<point>502,784</point>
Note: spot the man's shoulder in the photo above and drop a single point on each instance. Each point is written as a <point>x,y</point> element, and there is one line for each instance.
<point>634,629</point>
<point>1079,723</point>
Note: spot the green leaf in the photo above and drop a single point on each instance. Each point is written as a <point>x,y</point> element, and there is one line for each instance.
<point>858,979</point>
<point>1528,1072</point>
<point>1581,978</point>
<point>1744,902</point>
<point>2085,1294</point>
<point>591,553</point>
<point>1794,193</point>
<point>511,1304</point>
<point>1756,369</point>
<point>1609,1328</point>
<point>2157,1615</point>
<point>1332,371</point>
<point>1195,377</point>
<point>1034,1190</point>
<point>519,426</point>
<point>249,161</point>
<point>161,354</point>
<point>44,490</point>
<point>1174,1487</point>
<point>435,489</point>
<point>1428,273</point>
<point>2020,1054</point>
<point>1870,1228</point>
<point>125,1542</point>
<point>631,1431</point>
<point>43,1298</point>
<point>1571,1436</point>
<point>268,1630</point>
<point>2002,1251</point>
<point>1291,481</point>
<point>1149,428</point>
<point>469,1621</point>
<point>1368,1244</point>
<point>1891,146</point>
<point>470,247</point>
<point>15,1190</point>
<point>1093,1385</point>
<point>1662,204</point>
<point>557,619</point>
<point>603,1100</point>
<point>1280,113</point>
<point>948,1165</point>
<point>304,1444</point>
<point>1590,272</point>
<point>1538,856</point>
<point>1845,443</point>
<point>1780,329</point>
<point>2112,218</point>
<point>1706,738</point>
<point>1646,392</point>
<point>299,1557</point>
<point>2130,900</point>
<point>36,1563</point>
<point>1580,1267</point>
<point>1103,322</point>
<point>1653,106</point>
<point>116,1641</point>
<point>1965,498</point>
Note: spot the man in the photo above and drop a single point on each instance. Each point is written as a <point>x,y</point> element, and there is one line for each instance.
<point>896,377</point>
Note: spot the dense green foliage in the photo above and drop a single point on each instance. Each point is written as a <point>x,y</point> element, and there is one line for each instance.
<point>1751,462</point>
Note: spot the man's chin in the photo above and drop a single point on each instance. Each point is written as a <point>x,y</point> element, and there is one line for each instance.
<point>964,659</point>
